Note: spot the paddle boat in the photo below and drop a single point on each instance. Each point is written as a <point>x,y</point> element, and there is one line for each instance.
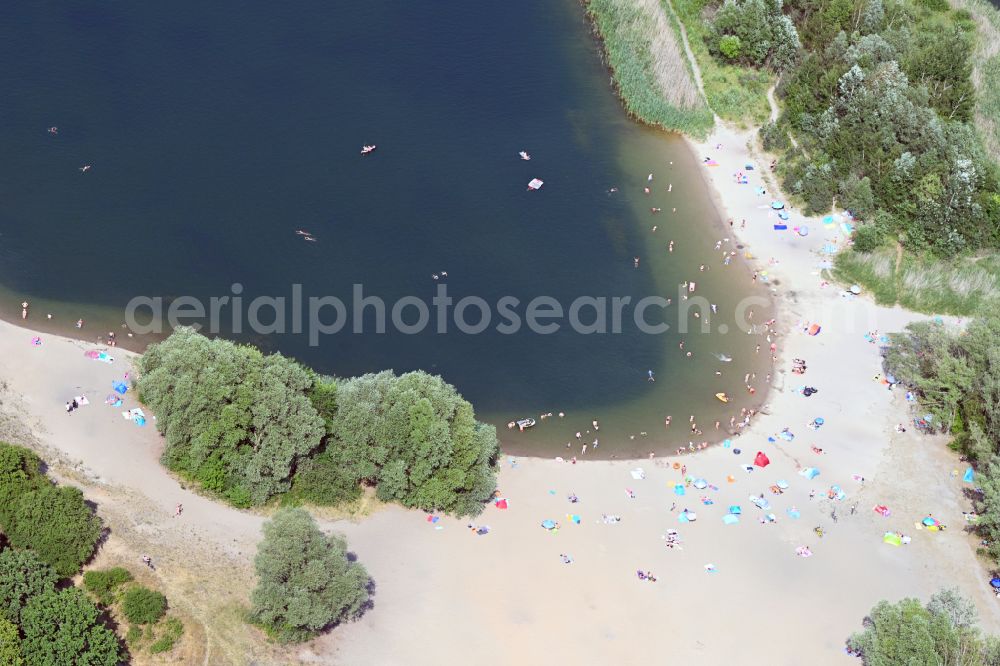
<point>722,396</point>
<point>368,149</point>
<point>535,184</point>
<point>524,155</point>
<point>521,424</point>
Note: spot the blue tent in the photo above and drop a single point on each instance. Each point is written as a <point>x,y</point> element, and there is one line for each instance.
<point>782,215</point>
<point>969,475</point>
<point>995,583</point>
<point>679,489</point>
<point>121,388</point>
<point>735,510</point>
<point>700,483</point>
<point>549,524</point>
<point>777,205</point>
<point>803,230</point>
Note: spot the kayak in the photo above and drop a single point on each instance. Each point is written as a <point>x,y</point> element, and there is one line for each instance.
<point>722,396</point>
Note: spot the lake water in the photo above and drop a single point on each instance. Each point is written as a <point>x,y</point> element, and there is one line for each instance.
<point>214,131</point>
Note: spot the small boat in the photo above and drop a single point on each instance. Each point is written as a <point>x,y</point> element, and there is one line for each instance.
<point>722,396</point>
<point>524,423</point>
<point>524,155</point>
<point>368,149</point>
<point>691,287</point>
<point>535,184</point>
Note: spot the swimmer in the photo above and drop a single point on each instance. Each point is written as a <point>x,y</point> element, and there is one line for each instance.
<point>53,130</point>
<point>645,190</point>
<point>24,310</point>
<point>85,168</point>
<point>670,188</point>
<point>654,227</point>
<point>670,246</point>
<point>651,377</point>
<point>654,211</point>
<point>649,178</point>
<point>636,261</point>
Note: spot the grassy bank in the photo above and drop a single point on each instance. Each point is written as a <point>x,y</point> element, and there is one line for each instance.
<point>737,94</point>
<point>986,69</point>
<point>652,74</point>
<point>923,284</point>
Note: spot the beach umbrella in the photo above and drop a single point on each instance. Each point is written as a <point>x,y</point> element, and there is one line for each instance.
<point>730,519</point>
<point>549,524</point>
<point>855,289</point>
<point>736,452</point>
<point>819,420</point>
<point>700,484</point>
<point>803,230</point>
<point>782,484</point>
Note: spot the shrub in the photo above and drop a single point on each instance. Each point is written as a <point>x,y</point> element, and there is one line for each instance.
<point>103,583</point>
<point>140,605</point>
<point>773,137</point>
<point>305,581</point>
<point>867,237</point>
<point>172,631</point>
<point>23,576</point>
<point>10,644</point>
<point>321,482</point>
<point>729,46</point>
<point>63,628</point>
<point>57,524</point>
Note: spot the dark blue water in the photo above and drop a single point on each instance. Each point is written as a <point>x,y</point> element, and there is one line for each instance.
<point>215,130</point>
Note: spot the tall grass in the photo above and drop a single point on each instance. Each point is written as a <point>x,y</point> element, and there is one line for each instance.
<point>652,73</point>
<point>986,70</point>
<point>934,286</point>
<point>736,94</point>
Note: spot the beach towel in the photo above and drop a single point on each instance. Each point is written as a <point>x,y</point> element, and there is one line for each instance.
<point>81,400</point>
<point>730,519</point>
<point>809,472</point>
<point>781,227</point>
<point>793,512</point>
<point>638,473</point>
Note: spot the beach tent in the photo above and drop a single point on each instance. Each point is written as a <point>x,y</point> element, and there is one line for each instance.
<point>783,215</point>
<point>781,483</point>
<point>995,583</point>
<point>121,388</point>
<point>735,509</point>
<point>781,227</point>
<point>535,184</point>
<point>484,529</point>
<point>761,460</point>
<point>730,519</point>
<point>760,502</point>
<point>501,503</point>
<point>892,539</point>
<point>679,489</point>
<point>700,484</point>
<point>803,230</point>
<point>815,329</point>
<point>777,205</point>
<point>687,516</point>
<point>969,475</point>
<point>549,524</point>
<point>809,472</point>
<point>748,166</point>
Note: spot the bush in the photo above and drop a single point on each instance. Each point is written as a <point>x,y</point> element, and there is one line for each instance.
<point>773,137</point>
<point>140,605</point>
<point>305,581</point>
<point>319,481</point>
<point>103,583</point>
<point>172,631</point>
<point>867,237</point>
<point>63,628</point>
<point>23,576</point>
<point>10,644</point>
<point>729,46</point>
<point>57,524</point>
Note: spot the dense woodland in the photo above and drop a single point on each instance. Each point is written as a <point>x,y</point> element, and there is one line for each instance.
<point>251,427</point>
<point>878,98</point>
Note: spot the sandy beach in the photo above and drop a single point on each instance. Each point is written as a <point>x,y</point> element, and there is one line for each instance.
<point>447,595</point>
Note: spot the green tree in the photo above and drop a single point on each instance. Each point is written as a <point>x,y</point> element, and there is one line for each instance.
<point>10,644</point>
<point>909,633</point>
<point>729,46</point>
<point>234,419</point>
<point>103,583</point>
<point>22,576</point>
<point>57,524</point>
<point>763,35</point>
<point>141,605</point>
<point>305,580</point>
<point>63,628</point>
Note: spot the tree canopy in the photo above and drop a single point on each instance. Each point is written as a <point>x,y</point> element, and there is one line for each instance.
<point>63,628</point>
<point>942,633</point>
<point>22,576</point>
<point>234,419</point>
<point>250,426</point>
<point>306,581</point>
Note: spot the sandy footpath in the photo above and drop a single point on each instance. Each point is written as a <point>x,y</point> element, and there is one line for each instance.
<point>445,595</point>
